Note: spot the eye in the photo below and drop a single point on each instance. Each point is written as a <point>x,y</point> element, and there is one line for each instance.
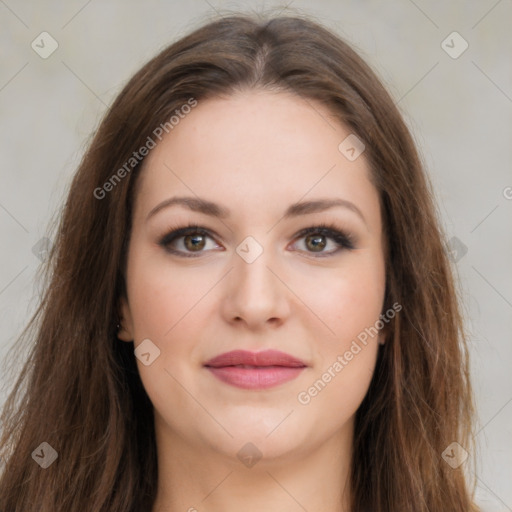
<point>321,240</point>
<point>189,241</point>
<point>324,240</point>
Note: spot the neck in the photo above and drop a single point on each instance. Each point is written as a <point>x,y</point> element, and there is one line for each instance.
<point>196,479</point>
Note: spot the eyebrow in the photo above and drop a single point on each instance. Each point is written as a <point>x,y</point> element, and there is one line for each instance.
<point>212,209</point>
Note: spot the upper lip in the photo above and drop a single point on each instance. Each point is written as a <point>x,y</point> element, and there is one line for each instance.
<point>263,358</point>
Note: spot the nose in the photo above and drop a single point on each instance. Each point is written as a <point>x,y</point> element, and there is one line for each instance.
<point>254,295</point>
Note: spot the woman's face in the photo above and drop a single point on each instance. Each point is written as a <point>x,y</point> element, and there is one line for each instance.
<point>253,172</point>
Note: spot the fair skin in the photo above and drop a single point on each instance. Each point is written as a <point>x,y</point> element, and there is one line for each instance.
<point>255,154</point>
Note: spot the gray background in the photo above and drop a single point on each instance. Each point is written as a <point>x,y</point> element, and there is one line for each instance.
<point>459,110</point>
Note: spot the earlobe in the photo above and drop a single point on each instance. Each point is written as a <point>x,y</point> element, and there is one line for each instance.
<point>123,334</point>
<point>383,334</point>
<point>125,326</point>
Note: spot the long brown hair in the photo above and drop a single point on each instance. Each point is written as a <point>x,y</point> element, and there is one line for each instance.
<point>79,390</point>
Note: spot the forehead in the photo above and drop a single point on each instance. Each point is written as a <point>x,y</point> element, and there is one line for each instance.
<point>255,149</point>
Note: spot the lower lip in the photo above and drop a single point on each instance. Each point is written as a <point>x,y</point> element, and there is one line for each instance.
<point>255,378</point>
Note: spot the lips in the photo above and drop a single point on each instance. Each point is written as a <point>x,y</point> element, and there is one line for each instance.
<point>255,359</point>
<point>255,370</point>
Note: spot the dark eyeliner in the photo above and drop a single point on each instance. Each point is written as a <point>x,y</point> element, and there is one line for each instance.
<point>189,229</point>
<point>343,239</point>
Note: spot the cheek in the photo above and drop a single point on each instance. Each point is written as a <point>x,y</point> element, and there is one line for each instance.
<point>161,296</point>
<point>166,307</point>
<point>349,304</point>
<point>345,301</point>
<point>332,397</point>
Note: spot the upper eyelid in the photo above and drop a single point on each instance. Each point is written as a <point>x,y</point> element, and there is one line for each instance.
<point>185,230</point>
<point>191,229</point>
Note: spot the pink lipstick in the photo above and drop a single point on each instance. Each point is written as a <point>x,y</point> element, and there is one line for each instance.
<point>255,370</point>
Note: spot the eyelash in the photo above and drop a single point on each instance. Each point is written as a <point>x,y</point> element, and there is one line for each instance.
<point>343,239</point>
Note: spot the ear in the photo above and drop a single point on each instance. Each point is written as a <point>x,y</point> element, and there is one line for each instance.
<point>383,334</point>
<point>125,331</point>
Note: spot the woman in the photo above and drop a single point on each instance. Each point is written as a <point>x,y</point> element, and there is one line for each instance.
<point>249,304</point>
